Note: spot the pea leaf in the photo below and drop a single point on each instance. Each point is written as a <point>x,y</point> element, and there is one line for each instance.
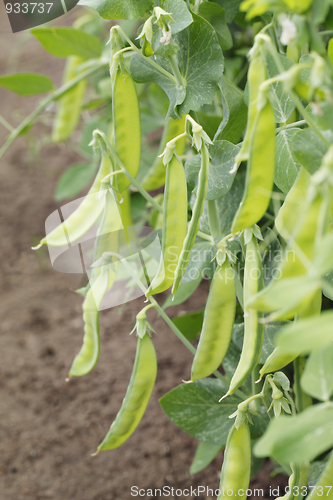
<point>231,8</point>
<point>286,166</point>
<point>298,338</point>
<point>308,149</point>
<point>272,258</point>
<point>204,455</point>
<point>234,113</point>
<point>27,83</point>
<point>220,179</point>
<point>76,178</point>
<point>64,42</point>
<point>215,15</point>
<point>190,324</point>
<point>298,439</point>
<point>200,62</point>
<point>195,408</point>
<point>282,102</point>
<point>113,9</point>
<point>317,378</point>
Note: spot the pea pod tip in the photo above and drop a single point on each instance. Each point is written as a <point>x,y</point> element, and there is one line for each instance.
<point>96,453</point>
<point>227,394</point>
<point>38,246</point>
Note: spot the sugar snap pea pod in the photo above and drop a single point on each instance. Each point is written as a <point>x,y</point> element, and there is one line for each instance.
<point>323,487</point>
<point>87,358</point>
<point>218,322</point>
<point>260,171</point>
<point>85,216</point>
<point>253,328</point>
<point>126,123</point>
<point>137,396</point>
<point>174,226</point>
<point>302,244</point>
<point>257,74</point>
<point>194,224</point>
<point>278,359</point>
<point>69,106</point>
<point>297,481</point>
<point>236,468</point>
<point>155,177</point>
<point>294,205</point>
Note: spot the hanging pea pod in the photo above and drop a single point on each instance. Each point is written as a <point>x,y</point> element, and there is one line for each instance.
<point>69,107</point>
<point>85,216</point>
<point>137,396</point>
<point>218,323</point>
<point>194,224</point>
<point>297,482</point>
<point>155,177</point>
<point>257,74</point>
<point>253,328</point>
<point>279,359</point>
<point>174,226</point>
<point>294,205</point>
<point>126,124</point>
<point>236,469</point>
<point>87,358</point>
<point>260,170</point>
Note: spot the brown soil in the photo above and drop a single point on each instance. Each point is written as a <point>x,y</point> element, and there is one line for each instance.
<point>49,428</point>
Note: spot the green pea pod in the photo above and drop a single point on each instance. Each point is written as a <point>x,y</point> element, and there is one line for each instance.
<point>137,396</point>
<point>218,322</point>
<point>324,484</point>
<point>253,328</point>
<point>257,74</point>
<point>155,177</point>
<point>278,359</point>
<point>308,232</point>
<point>127,125</point>
<point>194,224</point>
<point>297,481</point>
<point>85,216</point>
<point>174,226</point>
<point>260,171</point>
<point>236,469</point>
<point>69,107</point>
<point>294,204</point>
<point>87,358</point>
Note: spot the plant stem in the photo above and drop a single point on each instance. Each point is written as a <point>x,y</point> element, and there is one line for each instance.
<point>291,125</point>
<point>148,59</point>
<point>28,121</point>
<point>297,385</point>
<point>6,124</point>
<point>213,218</point>
<point>175,69</point>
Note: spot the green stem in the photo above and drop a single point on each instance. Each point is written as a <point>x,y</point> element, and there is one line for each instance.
<point>148,59</point>
<point>297,385</point>
<point>28,121</point>
<point>206,237</point>
<point>175,70</point>
<point>6,124</point>
<point>291,125</point>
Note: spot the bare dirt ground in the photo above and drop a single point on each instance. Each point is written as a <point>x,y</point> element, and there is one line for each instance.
<point>48,429</point>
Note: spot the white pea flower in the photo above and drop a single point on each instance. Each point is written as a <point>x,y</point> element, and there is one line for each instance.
<point>289,30</point>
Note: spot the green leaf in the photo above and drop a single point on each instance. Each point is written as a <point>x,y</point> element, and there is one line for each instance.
<point>220,179</point>
<point>282,102</point>
<point>286,167</point>
<point>27,83</point>
<point>322,114</point>
<point>298,439</point>
<point>324,256</point>
<point>215,15</point>
<point>195,408</point>
<point>184,292</point>
<point>271,258</point>
<point>231,8</point>
<point>235,109</point>
<point>317,378</point>
<point>200,62</point>
<point>190,324</point>
<point>204,455</point>
<point>270,332</point>
<point>76,178</point>
<point>298,338</point>
<point>308,149</point>
<point>315,470</point>
<point>64,42</point>
<point>113,9</point>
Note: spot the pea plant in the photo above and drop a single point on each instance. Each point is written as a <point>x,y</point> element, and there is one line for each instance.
<point>244,93</point>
